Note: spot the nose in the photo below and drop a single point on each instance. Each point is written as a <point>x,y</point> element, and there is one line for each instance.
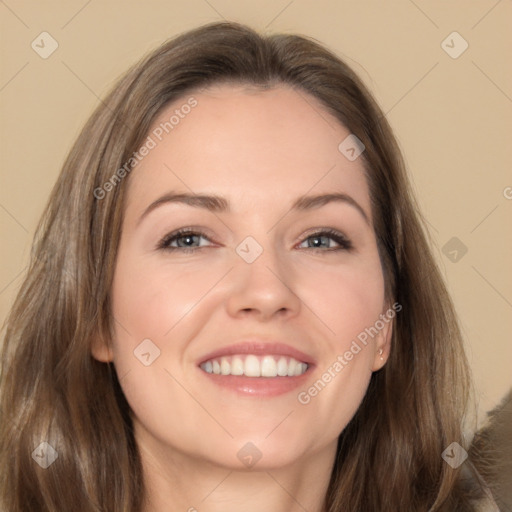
<point>263,288</point>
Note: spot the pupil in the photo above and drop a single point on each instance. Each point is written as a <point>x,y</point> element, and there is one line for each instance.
<point>188,239</point>
<point>317,241</point>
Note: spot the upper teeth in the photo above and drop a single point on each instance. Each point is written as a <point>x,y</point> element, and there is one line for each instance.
<point>255,366</point>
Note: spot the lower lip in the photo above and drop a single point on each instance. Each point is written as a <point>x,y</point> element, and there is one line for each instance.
<point>258,386</point>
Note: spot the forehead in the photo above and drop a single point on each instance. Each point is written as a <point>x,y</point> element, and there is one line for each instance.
<point>256,147</point>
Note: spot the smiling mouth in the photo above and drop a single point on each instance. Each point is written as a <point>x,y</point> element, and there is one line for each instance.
<point>250,365</point>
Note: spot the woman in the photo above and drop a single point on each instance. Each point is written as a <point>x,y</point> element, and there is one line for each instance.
<point>232,303</point>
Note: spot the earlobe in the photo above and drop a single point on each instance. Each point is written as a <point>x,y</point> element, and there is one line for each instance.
<point>383,347</point>
<point>380,359</point>
<point>101,351</point>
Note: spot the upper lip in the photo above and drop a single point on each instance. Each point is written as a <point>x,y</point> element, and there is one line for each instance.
<point>259,348</point>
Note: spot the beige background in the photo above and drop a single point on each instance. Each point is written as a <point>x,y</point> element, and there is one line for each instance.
<point>452,117</point>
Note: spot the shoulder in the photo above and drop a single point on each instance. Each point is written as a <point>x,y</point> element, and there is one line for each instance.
<point>490,459</point>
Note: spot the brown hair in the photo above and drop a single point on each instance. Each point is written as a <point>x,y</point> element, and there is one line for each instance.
<point>53,390</point>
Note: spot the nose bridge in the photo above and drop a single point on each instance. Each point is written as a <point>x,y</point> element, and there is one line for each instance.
<point>262,277</point>
<point>260,260</point>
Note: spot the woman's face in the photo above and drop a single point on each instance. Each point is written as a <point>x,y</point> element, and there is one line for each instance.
<point>257,287</point>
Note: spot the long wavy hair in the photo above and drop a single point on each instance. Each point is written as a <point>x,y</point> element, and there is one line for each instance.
<point>54,391</point>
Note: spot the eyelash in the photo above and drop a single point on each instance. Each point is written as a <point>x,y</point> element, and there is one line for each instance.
<point>344,243</point>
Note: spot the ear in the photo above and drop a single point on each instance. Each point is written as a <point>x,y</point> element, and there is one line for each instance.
<point>101,350</point>
<point>383,344</point>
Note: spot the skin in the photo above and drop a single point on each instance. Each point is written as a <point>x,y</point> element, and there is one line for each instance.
<point>260,150</point>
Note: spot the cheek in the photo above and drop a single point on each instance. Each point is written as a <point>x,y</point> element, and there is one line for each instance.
<point>334,396</point>
<point>152,301</point>
<point>346,299</point>
<point>150,298</point>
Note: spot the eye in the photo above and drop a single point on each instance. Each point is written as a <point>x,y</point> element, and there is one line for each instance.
<point>320,241</point>
<point>185,240</point>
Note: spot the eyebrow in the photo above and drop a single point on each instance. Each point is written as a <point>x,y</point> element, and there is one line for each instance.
<point>218,204</point>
